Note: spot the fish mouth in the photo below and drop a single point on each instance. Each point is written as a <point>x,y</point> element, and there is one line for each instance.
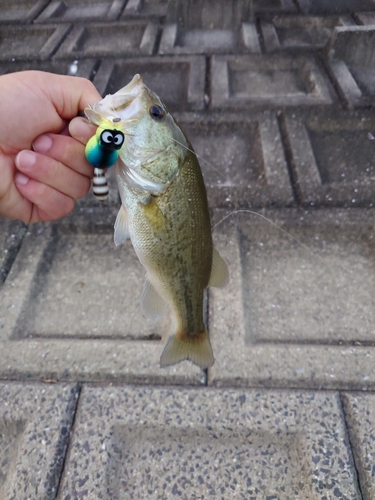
<point>124,107</point>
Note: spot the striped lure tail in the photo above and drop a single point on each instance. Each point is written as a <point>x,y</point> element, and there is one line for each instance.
<point>100,185</point>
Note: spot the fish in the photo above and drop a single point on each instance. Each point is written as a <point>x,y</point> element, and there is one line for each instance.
<point>102,152</point>
<point>165,213</point>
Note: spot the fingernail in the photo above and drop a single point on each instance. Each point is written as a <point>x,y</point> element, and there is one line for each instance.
<point>42,144</point>
<point>25,160</point>
<point>21,179</point>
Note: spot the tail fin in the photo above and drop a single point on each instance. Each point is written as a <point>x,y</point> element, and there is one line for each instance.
<point>198,350</point>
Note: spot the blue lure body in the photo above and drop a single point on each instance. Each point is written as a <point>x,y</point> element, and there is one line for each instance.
<point>102,151</point>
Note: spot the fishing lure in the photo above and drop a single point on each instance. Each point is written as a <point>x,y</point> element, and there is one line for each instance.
<point>102,151</point>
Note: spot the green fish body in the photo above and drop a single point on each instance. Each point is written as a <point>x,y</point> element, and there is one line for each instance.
<point>165,213</point>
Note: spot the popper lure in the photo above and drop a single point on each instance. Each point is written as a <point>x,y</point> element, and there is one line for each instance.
<point>102,151</point>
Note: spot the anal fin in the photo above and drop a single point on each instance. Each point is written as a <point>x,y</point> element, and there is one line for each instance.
<point>219,277</point>
<point>153,306</point>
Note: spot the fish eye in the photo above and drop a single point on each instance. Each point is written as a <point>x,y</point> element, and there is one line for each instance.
<point>118,139</point>
<point>107,136</point>
<point>156,112</point>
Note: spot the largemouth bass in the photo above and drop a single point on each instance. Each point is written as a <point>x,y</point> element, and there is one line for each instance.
<point>165,212</point>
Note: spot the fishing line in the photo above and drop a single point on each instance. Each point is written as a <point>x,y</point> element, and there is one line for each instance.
<point>268,220</point>
<point>205,161</point>
<point>243,210</point>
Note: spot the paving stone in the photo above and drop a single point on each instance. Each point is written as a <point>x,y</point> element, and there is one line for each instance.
<point>209,14</point>
<point>85,68</point>
<point>242,158</point>
<point>138,442</point>
<point>332,157</point>
<point>300,32</point>
<point>351,63</point>
<point>30,42</point>
<point>334,6</point>
<point>20,12</point>
<point>35,421</point>
<point>244,81</point>
<point>69,308</point>
<point>177,41</point>
<point>179,81</point>
<point>364,18</point>
<point>81,10</point>
<point>360,416</point>
<point>274,6</point>
<point>145,8</point>
<point>107,39</point>
<point>295,314</point>
<point>11,235</point>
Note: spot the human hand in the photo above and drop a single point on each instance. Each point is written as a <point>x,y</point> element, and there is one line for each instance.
<point>42,169</point>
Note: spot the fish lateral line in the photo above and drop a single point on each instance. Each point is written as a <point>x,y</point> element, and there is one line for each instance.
<point>234,212</point>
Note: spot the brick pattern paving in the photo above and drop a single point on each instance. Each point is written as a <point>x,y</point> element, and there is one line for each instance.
<point>276,98</point>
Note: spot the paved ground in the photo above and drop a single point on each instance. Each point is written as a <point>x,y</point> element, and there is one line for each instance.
<point>277,96</point>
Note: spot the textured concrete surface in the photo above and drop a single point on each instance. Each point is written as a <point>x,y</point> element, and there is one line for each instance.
<point>277,99</point>
<point>35,422</point>
<point>295,313</point>
<point>360,415</point>
<point>161,443</point>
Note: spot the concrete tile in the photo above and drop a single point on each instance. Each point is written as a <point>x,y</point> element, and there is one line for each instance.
<point>359,412</point>
<point>71,301</point>
<point>137,442</point>
<point>108,40</point>
<point>332,157</point>
<point>20,12</point>
<point>209,14</point>
<point>334,6</point>
<point>295,314</point>
<point>176,40</point>
<point>145,8</point>
<point>364,18</point>
<point>81,11</point>
<point>30,42</point>
<point>351,64</point>
<point>300,32</point>
<point>35,422</point>
<point>244,81</point>
<point>84,68</point>
<point>274,6</point>
<point>242,158</point>
<point>178,81</point>
<point>11,235</point>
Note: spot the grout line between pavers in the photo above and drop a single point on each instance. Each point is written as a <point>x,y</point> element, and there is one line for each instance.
<point>6,267</point>
<point>344,103</point>
<point>260,35</point>
<point>292,168</point>
<point>67,449</point>
<point>352,454</point>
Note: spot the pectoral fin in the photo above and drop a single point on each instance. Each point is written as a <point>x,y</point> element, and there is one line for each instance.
<point>219,271</point>
<point>153,306</point>
<point>121,227</point>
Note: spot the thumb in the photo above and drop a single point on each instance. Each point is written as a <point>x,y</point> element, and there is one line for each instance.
<point>81,129</point>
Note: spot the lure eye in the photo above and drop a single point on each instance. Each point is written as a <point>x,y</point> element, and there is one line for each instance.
<point>118,139</point>
<point>157,112</point>
<point>107,137</point>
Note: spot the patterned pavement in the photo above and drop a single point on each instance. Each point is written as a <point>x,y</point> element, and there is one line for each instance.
<point>276,97</point>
